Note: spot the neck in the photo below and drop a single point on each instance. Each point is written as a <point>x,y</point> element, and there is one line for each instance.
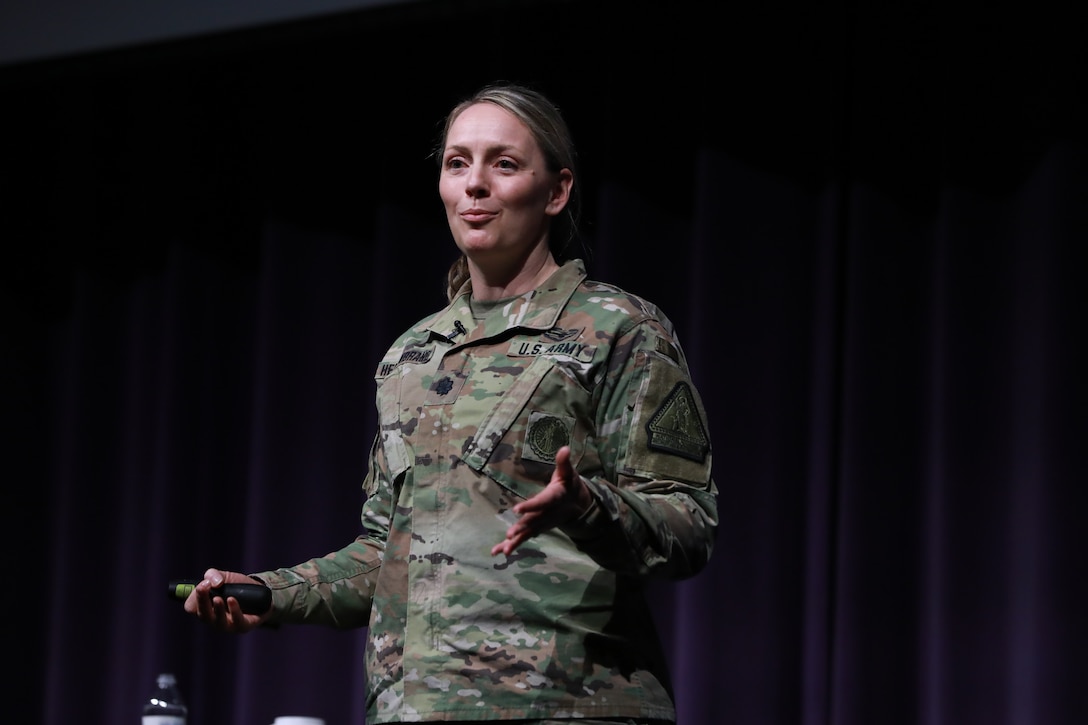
<point>491,284</point>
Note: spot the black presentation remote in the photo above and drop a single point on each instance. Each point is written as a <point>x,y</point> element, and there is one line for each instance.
<point>254,598</point>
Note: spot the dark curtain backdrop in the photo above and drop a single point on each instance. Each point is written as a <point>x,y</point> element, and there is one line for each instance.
<point>865,221</point>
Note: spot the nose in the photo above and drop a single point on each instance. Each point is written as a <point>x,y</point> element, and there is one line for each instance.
<point>476,183</point>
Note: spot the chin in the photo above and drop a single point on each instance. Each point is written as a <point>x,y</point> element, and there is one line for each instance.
<point>476,244</point>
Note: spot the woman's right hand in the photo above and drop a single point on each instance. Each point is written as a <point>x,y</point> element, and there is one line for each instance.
<point>226,615</point>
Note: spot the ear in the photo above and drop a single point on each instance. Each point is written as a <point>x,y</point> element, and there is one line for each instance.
<point>560,193</point>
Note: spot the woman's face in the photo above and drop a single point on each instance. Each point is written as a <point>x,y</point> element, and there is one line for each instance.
<point>498,192</point>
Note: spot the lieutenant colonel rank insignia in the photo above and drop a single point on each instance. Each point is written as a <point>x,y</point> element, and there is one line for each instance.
<point>676,427</point>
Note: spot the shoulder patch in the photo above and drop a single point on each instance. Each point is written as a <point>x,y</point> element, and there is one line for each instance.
<point>676,427</point>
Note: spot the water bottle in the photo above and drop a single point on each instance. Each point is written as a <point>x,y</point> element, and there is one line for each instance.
<point>165,706</point>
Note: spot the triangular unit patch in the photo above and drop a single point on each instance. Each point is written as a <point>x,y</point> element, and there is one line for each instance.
<point>677,428</point>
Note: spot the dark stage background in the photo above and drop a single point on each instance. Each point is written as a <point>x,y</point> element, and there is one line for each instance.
<point>865,221</point>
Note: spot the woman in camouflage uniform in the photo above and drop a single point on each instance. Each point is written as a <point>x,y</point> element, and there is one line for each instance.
<point>541,454</point>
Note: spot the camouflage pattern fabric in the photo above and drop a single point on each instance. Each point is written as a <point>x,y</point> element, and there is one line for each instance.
<point>472,410</point>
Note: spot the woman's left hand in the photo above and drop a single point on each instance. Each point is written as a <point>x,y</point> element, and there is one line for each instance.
<point>564,498</point>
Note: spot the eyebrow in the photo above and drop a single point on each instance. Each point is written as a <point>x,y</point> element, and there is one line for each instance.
<point>497,149</point>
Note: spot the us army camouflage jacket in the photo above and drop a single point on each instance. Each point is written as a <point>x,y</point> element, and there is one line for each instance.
<point>472,411</point>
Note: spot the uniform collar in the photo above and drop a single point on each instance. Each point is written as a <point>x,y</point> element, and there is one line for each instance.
<point>538,309</point>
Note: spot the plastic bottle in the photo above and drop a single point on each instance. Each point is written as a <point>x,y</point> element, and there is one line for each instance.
<point>165,706</point>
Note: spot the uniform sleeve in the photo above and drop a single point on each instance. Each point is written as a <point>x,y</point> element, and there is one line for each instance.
<point>337,589</point>
<point>649,467</point>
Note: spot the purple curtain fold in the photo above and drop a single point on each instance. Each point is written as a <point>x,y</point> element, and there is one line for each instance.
<point>876,279</point>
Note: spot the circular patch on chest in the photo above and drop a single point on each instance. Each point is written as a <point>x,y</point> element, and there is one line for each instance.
<point>546,436</point>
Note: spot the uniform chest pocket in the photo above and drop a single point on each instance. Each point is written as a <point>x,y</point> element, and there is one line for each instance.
<point>504,414</point>
<point>517,440</point>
